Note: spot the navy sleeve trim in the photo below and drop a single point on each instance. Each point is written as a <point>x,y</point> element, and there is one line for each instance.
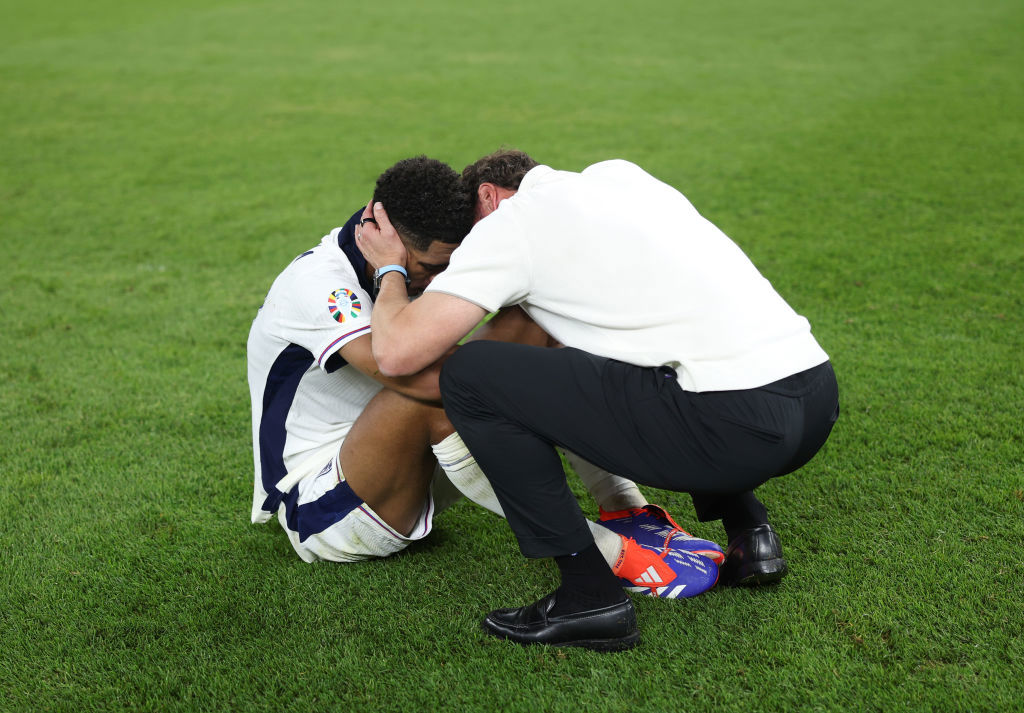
<point>334,362</point>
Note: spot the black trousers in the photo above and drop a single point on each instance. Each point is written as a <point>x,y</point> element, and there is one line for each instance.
<point>513,403</point>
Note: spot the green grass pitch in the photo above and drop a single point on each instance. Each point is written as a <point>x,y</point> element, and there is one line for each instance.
<point>160,162</point>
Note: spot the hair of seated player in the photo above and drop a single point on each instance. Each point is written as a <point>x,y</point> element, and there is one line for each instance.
<point>426,201</point>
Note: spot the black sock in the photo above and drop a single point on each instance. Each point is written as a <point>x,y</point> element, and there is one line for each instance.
<point>587,583</point>
<point>737,511</point>
<point>742,512</point>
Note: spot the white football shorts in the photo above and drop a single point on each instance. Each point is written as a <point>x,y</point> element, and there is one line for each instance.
<point>326,520</point>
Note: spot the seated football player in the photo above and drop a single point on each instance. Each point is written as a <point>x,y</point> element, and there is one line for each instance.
<point>355,464</point>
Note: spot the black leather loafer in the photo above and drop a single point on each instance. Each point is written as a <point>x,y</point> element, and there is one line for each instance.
<point>611,628</point>
<point>753,557</point>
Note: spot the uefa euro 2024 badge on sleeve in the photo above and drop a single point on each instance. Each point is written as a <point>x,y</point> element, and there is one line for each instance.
<point>344,304</point>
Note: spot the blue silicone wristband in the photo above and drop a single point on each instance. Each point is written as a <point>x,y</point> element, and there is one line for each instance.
<point>393,268</point>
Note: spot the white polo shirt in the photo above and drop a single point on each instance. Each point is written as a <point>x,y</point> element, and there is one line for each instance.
<point>616,263</point>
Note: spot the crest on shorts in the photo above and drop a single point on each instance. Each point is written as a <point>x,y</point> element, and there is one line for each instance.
<point>343,304</point>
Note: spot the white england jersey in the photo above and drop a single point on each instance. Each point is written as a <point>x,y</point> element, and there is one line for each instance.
<point>305,397</point>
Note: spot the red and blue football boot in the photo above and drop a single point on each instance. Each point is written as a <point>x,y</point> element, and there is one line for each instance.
<point>651,526</point>
<point>666,573</point>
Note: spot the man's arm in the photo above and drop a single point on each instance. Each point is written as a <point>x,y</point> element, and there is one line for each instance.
<point>409,336</point>
<point>512,324</point>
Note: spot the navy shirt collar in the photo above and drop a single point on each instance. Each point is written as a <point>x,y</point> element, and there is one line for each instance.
<point>347,243</point>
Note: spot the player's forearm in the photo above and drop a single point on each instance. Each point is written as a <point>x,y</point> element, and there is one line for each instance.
<point>393,339</point>
<point>422,386</point>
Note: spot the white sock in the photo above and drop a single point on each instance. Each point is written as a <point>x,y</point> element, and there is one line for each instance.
<point>612,492</point>
<point>443,491</point>
<point>608,542</point>
<point>461,468</point>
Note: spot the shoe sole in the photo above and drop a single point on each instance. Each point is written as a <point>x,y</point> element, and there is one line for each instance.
<point>605,645</point>
<point>669,592</point>
<point>766,572</point>
<point>673,591</point>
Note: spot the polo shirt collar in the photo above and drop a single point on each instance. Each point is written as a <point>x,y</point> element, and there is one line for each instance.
<point>534,176</point>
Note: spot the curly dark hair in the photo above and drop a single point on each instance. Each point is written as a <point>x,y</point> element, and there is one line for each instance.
<point>426,201</point>
<point>504,167</point>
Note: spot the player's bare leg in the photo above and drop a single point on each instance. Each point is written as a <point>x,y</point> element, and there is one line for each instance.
<point>386,457</point>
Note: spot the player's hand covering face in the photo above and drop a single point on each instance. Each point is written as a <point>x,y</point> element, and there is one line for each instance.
<point>374,238</point>
<point>378,240</point>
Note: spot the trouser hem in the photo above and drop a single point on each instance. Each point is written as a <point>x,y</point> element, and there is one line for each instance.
<point>556,545</point>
